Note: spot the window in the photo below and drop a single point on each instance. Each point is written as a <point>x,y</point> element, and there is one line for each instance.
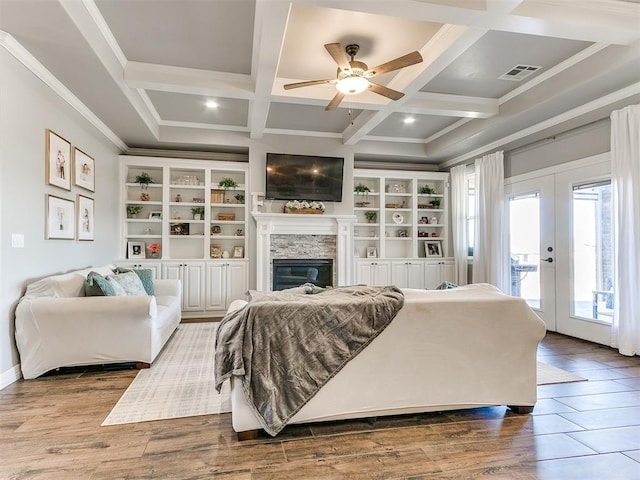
<point>593,251</point>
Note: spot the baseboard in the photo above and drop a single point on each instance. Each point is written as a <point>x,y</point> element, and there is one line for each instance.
<point>10,376</point>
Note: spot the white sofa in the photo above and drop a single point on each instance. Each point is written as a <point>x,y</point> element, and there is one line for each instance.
<point>466,347</point>
<point>57,326</point>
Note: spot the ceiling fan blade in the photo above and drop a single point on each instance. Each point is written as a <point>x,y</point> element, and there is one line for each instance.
<point>337,53</point>
<point>385,92</point>
<point>400,62</point>
<point>335,101</point>
<point>289,86</point>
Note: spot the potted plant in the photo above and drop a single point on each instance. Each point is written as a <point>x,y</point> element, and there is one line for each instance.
<point>371,216</point>
<point>239,197</point>
<point>226,184</point>
<point>435,203</point>
<point>425,190</point>
<point>133,210</point>
<point>361,189</point>
<point>197,212</point>
<point>144,179</point>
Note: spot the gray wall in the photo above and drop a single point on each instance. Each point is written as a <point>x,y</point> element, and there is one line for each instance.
<point>27,108</point>
<point>565,147</point>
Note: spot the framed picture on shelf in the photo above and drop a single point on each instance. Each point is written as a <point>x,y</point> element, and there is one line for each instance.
<point>136,250</point>
<point>372,252</point>
<point>85,219</point>
<point>238,252</point>
<point>84,175</point>
<point>155,216</point>
<point>58,160</point>
<point>60,218</point>
<point>433,248</point>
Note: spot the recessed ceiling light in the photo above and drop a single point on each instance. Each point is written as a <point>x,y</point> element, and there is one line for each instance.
<point>211,104</point>
<point>409,120</point>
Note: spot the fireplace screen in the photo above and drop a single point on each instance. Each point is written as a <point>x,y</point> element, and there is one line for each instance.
<point>293,273</point>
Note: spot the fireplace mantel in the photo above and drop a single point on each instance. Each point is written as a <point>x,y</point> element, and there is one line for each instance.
<point>268,224</point>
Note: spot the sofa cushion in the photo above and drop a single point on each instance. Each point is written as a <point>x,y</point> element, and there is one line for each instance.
<point>145,275</point>
<point>129,282</point>
<point>97,285</point>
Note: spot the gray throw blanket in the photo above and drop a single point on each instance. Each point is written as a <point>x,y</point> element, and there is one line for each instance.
<point>286,345</point>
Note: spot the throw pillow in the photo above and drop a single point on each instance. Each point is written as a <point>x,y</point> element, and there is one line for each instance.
<point>446,286</point>
<point>145,275</point>
<point>116,287</point>
<point>129,282</point>
<point>97,285</point>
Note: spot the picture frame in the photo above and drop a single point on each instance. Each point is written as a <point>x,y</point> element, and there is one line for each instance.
<point>372,252</point>
<point>60,218</point>
<point>238,252</point>
<point>58,165</point>
<point>433,248</point>
<point>156,215</point>
<point>136,250</point>
<point>84,175</point>
<point>85,219</point>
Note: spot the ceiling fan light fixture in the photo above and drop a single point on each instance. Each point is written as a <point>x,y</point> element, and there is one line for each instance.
<point>352,85</point>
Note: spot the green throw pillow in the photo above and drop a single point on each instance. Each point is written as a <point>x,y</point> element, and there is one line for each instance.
<point>145,275</point>
<point>126,284</point>
<point>97,286</point>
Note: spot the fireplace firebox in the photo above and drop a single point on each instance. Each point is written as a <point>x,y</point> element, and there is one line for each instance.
<point>289,273</point>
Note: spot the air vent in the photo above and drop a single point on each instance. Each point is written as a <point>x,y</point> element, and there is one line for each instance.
<point>519,72</point>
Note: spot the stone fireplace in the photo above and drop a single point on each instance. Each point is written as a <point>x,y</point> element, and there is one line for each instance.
<point>304,237</point>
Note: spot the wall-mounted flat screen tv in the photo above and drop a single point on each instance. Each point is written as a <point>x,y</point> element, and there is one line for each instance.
<point>304,177</point>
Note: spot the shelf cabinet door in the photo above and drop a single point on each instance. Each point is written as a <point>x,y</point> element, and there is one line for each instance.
<point>237,282</point>
<point>438,271</point>
<point>192,277</point>
<point>216,286</point>
<point>408,274</point>
<point>373,273</point>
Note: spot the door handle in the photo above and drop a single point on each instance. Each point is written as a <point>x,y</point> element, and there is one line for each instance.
<point>550,260</point>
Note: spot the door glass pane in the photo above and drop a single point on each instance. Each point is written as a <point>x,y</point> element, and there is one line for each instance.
<point>593,251</point>
<point>524,213</point>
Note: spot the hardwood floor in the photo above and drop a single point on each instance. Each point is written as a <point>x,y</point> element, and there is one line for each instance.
<point>50,429</point>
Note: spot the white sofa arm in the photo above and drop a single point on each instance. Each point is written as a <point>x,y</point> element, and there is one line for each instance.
<point>167,288</point>
<point>52,332</point>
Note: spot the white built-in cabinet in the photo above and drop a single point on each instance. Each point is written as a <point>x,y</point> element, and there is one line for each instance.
<point>397,219</point>
<point>438,272</point>
<point>373,272</point>
<point>226,281</point>
<point>190,226</point>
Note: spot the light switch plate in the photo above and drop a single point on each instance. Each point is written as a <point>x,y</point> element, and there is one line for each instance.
<point>17,240</point>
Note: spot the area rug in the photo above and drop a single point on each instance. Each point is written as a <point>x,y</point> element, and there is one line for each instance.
<point>548,374</point>
<point>180,383</point>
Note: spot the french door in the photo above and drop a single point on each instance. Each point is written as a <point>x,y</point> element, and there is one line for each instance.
<point>561,245</point>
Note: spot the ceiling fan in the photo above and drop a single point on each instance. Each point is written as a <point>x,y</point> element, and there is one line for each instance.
<point>353,76</point>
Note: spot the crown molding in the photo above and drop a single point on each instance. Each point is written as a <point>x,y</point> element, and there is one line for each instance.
<point>34,66</point>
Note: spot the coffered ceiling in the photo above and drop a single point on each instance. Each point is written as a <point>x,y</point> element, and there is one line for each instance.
<point>142,71</point>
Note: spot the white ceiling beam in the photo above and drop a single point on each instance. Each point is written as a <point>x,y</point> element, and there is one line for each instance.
<point>93,28</point>
<point>270,25</point>
<point>424,103</point>
<point>166,78</point>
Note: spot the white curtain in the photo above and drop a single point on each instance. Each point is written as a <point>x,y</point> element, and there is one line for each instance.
<point>459,222</point>
<point>625,173</point>
<point>490,256</point>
